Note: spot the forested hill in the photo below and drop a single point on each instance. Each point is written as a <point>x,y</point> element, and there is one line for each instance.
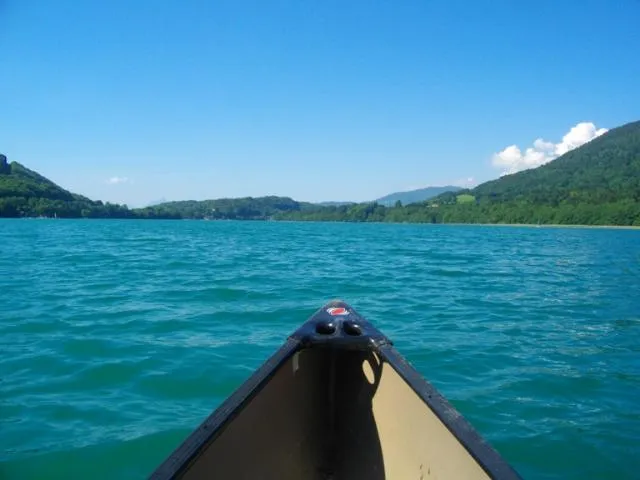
<point>595,184</point>
<point>25,193</point>
<point>18,181</point>
<point>247,208</point>
<point>603,170</point>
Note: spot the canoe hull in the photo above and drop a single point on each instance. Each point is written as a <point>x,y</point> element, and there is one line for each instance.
<point>333,406</point>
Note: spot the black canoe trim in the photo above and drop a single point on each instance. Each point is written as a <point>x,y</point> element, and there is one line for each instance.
<point>179,461</point>
<point>349,330</point>
<point>486,456</point>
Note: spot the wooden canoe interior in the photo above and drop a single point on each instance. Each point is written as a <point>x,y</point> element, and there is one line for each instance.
<point>334,414</point>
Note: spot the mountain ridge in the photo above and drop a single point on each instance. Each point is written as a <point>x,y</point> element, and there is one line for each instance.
<point>415,196</point>
<point>597,183</point>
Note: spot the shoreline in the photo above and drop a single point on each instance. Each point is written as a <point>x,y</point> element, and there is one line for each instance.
<point>524,225</point>
<point>547,225</point>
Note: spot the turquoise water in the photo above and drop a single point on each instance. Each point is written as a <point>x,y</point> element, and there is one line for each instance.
<point>118,337</point>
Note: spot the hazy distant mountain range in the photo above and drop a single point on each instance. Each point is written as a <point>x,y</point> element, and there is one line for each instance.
<point>334,204</point>
<point>415,196</point>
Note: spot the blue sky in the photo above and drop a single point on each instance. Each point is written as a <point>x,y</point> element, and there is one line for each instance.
<point>314,99</point>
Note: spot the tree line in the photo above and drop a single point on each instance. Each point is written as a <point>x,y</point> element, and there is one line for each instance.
<point>595,184</point>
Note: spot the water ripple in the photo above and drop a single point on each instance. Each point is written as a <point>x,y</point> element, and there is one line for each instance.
<point>118,337</point>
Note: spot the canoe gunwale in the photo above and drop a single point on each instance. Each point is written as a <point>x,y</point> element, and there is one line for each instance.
<point>213,425</point>
<point>484,454</point>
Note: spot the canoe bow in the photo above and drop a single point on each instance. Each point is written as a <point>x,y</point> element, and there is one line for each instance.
<point>335,401</point>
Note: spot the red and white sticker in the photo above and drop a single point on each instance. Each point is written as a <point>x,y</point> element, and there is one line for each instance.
<point>335,311</point>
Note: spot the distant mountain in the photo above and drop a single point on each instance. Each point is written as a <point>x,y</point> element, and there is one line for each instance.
<point>415,196</point>
<point>334,204</point>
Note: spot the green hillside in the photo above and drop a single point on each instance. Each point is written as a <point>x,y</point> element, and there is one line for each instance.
<point>247,208</point>
<point>19,182</point>
<point>25,193</point>
<point>603,170</point>
<point>595,184</point>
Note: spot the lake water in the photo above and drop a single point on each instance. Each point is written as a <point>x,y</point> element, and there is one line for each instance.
<point>117,338</point>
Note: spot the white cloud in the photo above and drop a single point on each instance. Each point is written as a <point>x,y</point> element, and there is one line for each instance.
<point>117,180</point>
<point>512,159</point>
